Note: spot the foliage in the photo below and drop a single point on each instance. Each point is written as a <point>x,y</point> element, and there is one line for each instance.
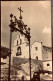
<point>4,52</point>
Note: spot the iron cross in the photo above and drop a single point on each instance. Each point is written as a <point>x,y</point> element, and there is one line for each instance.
<point>20,11</point>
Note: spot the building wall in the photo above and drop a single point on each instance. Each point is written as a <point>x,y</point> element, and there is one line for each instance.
<point>36,50</point>
<point>5,60</point>
<point>46,53</point>
<point>6,63</point>
<point>47,58</point>
<point>47,65</point>
<point>24,51</point>
<point>24,48</point>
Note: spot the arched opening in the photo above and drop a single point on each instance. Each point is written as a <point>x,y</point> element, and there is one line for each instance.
<point>18,51</point>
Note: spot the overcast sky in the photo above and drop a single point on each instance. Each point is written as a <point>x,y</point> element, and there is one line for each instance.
<point>36,14</point>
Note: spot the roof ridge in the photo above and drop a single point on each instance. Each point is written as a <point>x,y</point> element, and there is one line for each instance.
<point>36,41</point>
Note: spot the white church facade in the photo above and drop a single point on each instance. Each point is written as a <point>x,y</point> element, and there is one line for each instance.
<point>20,48</point>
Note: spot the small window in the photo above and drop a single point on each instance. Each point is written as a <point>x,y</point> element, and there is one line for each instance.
<point>20,41</point>
<point>17,43</point>
<point>46,49</point>
<point>48,64</point>
<point>36,48</point>
<point>37,57</point>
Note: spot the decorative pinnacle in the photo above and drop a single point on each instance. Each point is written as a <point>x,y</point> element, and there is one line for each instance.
<point>11,15</point>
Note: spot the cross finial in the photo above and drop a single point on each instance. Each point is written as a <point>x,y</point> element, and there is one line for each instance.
<point>20,12</point>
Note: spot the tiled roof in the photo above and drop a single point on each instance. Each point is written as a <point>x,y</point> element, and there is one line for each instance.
<point>46,46</point>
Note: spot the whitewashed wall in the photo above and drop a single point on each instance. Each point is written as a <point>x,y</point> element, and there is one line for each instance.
<point>5,61</point>
<point>47,67</point>
<point>24,48</point>
<point>37,52</point>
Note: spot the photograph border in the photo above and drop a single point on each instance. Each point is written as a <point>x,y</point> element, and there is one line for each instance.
<point>51,27</point>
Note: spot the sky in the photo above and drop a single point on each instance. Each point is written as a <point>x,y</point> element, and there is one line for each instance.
<point>37,16</point>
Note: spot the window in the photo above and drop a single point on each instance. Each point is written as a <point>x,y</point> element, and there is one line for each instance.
<point>20,41</point>
<point>46,49</point>
<point>18,51</point>
<point>48,64</point>
<point>36,48</point>
<point>36,57</point>
<point>17,42</point>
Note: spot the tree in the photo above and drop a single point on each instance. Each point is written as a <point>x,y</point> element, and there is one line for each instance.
<point>4,52</point>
